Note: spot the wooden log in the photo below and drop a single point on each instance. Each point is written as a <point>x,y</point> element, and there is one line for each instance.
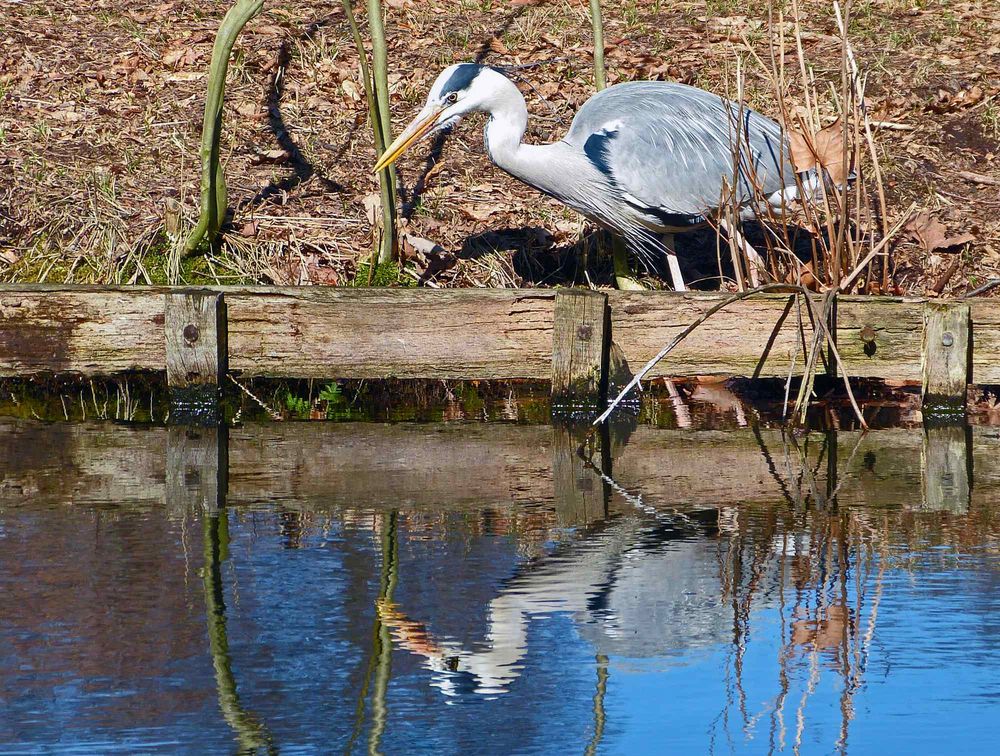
<point>619,375</point>
<point>197,469</point>
<point>732,342</point>
<point>76,329</point>
<point>580,343</point>
<point>946,363</point>
<point>316,332</point>
<point>946,468</point>
<point>196,355</point>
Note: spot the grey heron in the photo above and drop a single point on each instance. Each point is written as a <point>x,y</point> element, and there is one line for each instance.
<point>644,160</point>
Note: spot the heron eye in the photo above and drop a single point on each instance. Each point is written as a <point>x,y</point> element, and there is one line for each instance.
<point>452,97</point>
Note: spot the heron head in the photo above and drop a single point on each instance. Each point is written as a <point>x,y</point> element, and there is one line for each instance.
<point>458,90</point>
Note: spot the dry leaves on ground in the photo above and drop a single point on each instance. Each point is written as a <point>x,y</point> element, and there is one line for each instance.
<point>933,235</point>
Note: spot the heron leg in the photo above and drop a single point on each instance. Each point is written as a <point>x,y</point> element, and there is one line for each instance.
<point>624,277</point>
<point>675,268</point>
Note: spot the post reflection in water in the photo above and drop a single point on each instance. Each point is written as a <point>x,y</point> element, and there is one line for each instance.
<point>465,588</point>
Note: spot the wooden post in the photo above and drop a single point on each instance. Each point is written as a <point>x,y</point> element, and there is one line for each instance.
<point>946,361</point>
<point>580,340</point>
<point>197,468</point>
<point>946,468</point>
<point>195,330</point>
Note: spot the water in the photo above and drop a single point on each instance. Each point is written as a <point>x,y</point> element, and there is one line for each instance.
<point>479,588</point>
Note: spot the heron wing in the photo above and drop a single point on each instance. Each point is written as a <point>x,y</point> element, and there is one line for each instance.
<point>669,148</point>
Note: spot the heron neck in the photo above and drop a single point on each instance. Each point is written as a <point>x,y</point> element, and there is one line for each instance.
<point>504,132</point>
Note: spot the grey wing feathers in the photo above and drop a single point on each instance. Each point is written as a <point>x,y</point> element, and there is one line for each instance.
<point>669,147</point>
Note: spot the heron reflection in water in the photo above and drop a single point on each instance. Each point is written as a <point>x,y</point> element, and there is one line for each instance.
<point>644,160</point>
<point>637,586</point>
<point>676,587</point>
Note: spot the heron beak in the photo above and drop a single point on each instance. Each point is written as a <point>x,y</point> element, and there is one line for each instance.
<point>412,133</point>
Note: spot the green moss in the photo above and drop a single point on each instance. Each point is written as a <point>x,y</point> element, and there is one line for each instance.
<point>35,264</point>
<point>386,274</point>
<point>156,261</point>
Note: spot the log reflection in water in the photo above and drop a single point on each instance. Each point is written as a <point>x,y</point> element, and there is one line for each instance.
<point>714,527</point>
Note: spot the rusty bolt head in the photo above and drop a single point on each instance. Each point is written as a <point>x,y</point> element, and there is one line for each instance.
<point>868,334</point>
<point>947,338</point>
<point>584,332</point>
<point>191,333</point>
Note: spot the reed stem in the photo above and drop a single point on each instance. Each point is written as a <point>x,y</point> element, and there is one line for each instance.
<point>383,127</point>
<point>213,180</point>
<point>600,77</point>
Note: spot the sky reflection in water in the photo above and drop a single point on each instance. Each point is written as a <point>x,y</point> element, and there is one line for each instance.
<point>468,588</point>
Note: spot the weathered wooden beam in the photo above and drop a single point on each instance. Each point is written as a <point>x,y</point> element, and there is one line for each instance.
<point>946,357</point>
<point>580,342</point>
<point>196,355</point>
<point>729,343</point>
<point>78,329</point>
<point>392,333</point>
<point>318,332</point>
<point>197,468</point>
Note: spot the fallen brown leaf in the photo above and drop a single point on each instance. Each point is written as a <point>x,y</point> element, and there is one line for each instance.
<point>319,271</point>
<point>949,102</point>
<point>68,116</point>
<point>805,277</point>
<point>932,234</point>
<point>180,56</point>
<point>427,257</point>
<point>271,156</point>
<point>249,229</point>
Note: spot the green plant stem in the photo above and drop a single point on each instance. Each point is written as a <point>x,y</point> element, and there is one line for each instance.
<point>213,180</point>
<point>366,76</point>
<point>387,178</point>
<point>624,277</point>
<point>380,84</point>
<point>600,78</point>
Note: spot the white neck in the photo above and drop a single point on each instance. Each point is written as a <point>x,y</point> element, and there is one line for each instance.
<point>504,132</point>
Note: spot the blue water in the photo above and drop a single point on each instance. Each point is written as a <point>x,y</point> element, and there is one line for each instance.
<point>861,624</point>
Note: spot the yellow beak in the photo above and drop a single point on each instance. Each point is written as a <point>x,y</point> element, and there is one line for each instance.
<point>412,133</point>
